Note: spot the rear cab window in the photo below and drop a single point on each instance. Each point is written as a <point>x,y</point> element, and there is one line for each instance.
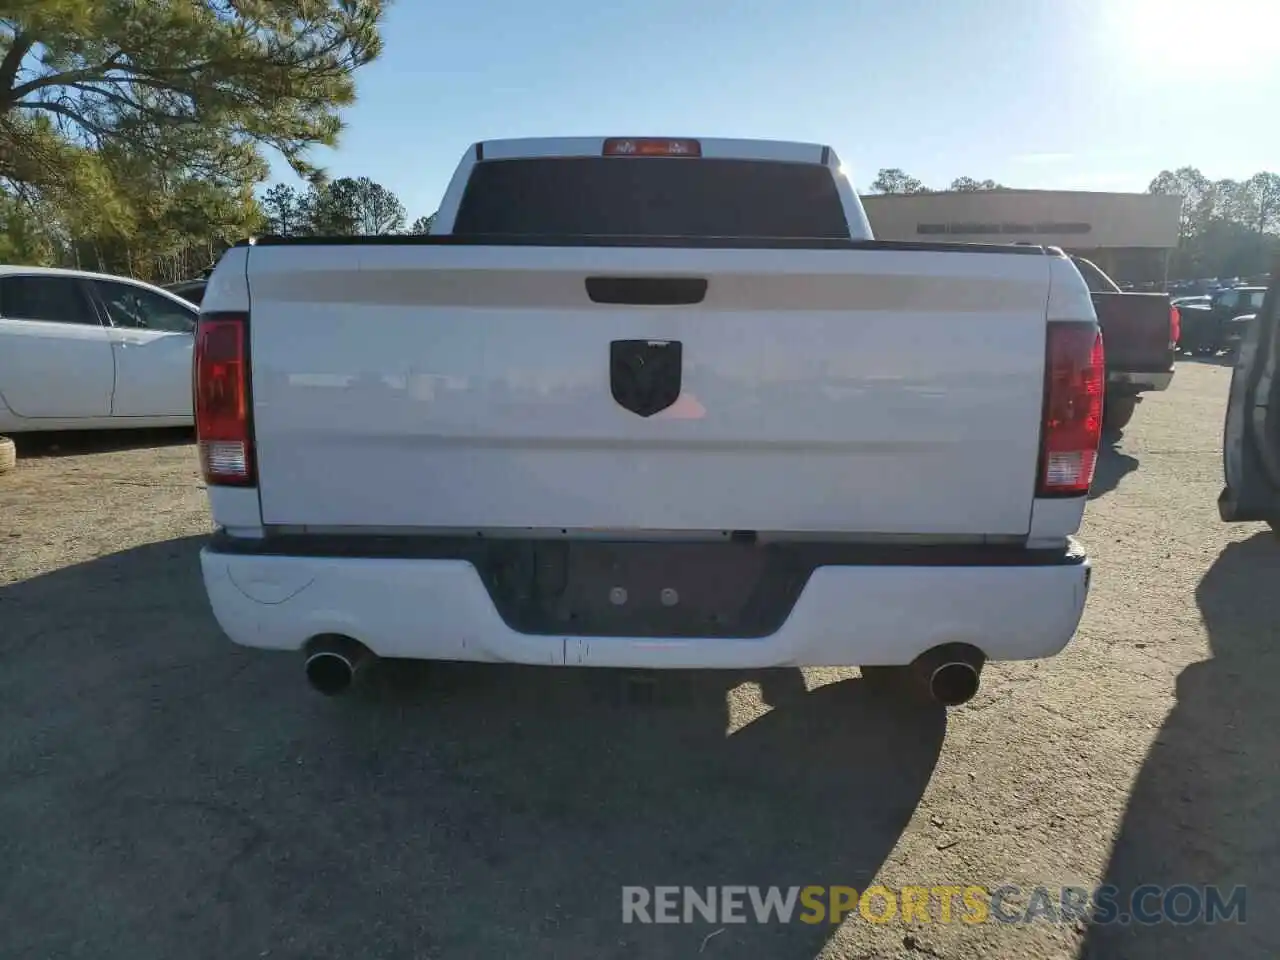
<point>652,197</point>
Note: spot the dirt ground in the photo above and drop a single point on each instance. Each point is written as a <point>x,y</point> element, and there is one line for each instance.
<point>164,794</point>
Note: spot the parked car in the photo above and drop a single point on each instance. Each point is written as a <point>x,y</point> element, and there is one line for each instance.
<point>190,290</point>
<point>1140,331</point>
<point>1251,434</point>
<point>85,351</point>
<point>649,404</point>
<point>1207,329</point>
<point>1234,331</point>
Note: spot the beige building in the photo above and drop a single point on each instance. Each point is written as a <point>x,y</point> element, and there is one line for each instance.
<point>1129,235</point>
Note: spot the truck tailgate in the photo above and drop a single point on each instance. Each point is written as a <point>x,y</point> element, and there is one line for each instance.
<point>469,387</point>
<point>1136,330</point>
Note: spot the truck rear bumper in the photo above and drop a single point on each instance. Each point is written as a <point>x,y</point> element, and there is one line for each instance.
<point>1139,381</point>
<point>437,609</point>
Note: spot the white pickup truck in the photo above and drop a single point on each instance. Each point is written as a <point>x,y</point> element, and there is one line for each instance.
<point>649,403</point>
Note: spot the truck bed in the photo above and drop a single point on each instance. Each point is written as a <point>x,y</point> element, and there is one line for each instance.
<point>464,384</point>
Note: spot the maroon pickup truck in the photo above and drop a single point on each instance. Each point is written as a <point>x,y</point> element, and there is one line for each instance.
<point>1140,332</point>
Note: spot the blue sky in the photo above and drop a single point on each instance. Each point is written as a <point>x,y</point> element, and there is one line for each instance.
<point>1088,94</point>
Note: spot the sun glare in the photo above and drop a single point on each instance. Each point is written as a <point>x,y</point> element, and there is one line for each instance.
<point>1190,36</point>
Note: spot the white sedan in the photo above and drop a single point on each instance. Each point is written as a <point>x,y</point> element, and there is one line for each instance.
<point>83,351</point>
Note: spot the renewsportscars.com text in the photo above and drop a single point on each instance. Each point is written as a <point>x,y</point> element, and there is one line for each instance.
<point>967,904</point>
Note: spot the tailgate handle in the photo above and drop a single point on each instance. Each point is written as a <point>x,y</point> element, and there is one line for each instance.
<point>647,291</point>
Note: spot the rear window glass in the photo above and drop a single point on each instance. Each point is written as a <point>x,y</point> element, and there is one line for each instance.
<point>55,299</point>
<point>651,197</point>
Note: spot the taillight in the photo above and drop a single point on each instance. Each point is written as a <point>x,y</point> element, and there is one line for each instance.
<point>221,387</point>
<point>651,147</point>
<point>1175,326</point>
<point>1072,427</point>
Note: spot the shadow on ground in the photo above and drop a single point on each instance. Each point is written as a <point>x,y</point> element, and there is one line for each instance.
<point>1207,800</point>
<point>67,443</point>
<point>166,794</point>
<point>1113,466</point>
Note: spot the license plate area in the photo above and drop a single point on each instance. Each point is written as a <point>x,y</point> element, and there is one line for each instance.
<point>590,588</point>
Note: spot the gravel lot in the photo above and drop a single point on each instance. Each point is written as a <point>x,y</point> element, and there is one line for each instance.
<point>164,794</point>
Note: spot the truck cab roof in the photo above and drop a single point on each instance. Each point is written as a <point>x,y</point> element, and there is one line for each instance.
<point>712,148</point>
<point>761,157</point>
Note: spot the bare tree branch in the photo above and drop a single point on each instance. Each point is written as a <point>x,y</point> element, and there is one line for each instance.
<point>22,44</point>
<point>75,116</point>
<point>66,78</point>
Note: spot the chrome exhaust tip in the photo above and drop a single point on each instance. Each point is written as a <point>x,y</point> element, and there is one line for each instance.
<point>953,684</point>
<point>333,663</point>
<point>951,673</point>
